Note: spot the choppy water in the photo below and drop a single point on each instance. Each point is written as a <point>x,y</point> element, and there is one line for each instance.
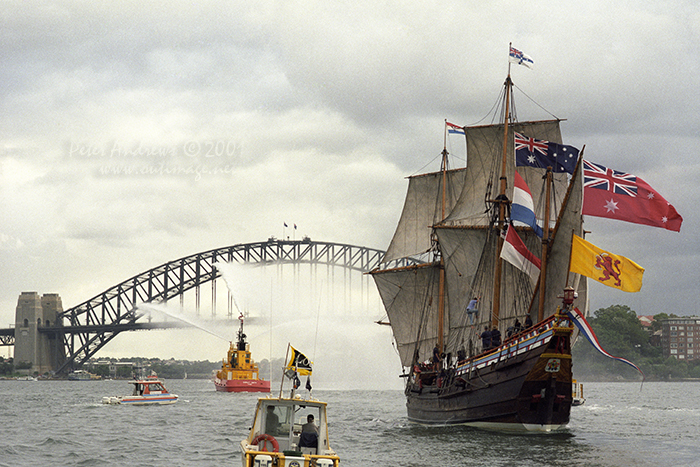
<point>63,423</point>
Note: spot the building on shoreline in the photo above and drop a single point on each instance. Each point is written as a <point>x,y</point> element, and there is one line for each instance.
<point>680,337</point>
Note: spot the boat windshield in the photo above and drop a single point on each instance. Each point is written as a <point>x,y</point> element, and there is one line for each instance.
<point>293,425</point>
<point>275,418</point>
<point>156,387</point>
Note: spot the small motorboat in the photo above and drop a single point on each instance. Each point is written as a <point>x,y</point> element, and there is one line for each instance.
<point>81,375</point>
<point>577,394</point>
<point>147,391</point>
<point>289,431</point>
<point>27,378</point>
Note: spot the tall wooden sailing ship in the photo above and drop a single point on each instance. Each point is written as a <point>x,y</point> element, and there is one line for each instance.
<point>446,253</point>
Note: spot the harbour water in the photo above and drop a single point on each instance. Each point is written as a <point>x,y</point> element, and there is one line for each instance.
<point>64,423</point>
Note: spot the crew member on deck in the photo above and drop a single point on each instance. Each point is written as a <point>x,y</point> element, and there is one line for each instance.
<point>486,338</point>
<point>436,357</point>
<point>515,328</point>
<point>528,322</point>
<point>495,337</point>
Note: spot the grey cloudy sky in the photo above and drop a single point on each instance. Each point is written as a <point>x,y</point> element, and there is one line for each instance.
<point>245,115</point>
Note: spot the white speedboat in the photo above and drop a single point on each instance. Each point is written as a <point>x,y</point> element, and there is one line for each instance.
<point>147,391</point>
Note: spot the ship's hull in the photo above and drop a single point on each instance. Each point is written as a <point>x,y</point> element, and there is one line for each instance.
<point>525,385</point>
<point>241,385</point>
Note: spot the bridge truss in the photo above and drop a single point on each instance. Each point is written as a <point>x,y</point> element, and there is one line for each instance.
<point>90,325</point>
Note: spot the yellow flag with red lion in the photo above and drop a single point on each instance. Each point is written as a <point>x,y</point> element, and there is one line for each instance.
<point>607,268</point>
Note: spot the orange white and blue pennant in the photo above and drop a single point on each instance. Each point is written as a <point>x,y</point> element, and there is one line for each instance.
<point>580,321</point>
<point>454,129</point>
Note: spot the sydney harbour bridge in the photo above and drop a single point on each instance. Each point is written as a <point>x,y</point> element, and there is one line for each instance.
<point>77,333</point>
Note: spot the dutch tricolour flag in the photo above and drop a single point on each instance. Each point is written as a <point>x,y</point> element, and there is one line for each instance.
<point>454,129</point>
<point>523,209</point>
<point>516,253</point>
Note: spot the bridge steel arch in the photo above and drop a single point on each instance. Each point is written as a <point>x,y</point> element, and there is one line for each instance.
<point>90,325</point>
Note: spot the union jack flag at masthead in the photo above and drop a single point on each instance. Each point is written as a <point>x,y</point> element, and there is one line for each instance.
<point>516,56</point>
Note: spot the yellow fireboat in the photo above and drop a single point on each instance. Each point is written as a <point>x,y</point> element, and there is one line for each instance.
<point>239,373</point>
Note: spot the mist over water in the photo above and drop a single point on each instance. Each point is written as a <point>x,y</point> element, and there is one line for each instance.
<point>228,273</point>
<point>163,309</point>
<point>313,309</point>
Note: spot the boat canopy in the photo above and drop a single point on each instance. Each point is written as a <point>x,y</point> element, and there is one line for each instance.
<point>283,419</point>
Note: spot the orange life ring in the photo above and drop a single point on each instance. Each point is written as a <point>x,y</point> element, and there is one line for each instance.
<point>265,437</point>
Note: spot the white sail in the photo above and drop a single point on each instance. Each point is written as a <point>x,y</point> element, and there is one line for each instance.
<point>410,297</point>
<point>484,158</point>
<point>422,209</point>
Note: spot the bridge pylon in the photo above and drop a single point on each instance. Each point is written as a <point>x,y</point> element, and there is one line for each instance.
<point>43,350</point>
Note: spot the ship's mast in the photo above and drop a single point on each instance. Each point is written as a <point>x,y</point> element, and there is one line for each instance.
<point>545,243</point>
<point>441,284</point>
<point>502,200</point>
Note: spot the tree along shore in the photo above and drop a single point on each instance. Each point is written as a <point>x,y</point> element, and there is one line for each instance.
<point>621,334</point>
<point>123,368</point>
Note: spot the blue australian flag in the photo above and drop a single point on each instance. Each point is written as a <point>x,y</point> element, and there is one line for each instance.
<point>531,152</point>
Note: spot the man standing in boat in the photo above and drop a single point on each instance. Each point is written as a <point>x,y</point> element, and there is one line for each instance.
<point>309,426</point>
<point>272,422</point>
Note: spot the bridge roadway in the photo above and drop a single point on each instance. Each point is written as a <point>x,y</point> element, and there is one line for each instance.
<point>90,325</point>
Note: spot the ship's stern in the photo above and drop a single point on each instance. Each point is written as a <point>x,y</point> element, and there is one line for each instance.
<point>544,402</point>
